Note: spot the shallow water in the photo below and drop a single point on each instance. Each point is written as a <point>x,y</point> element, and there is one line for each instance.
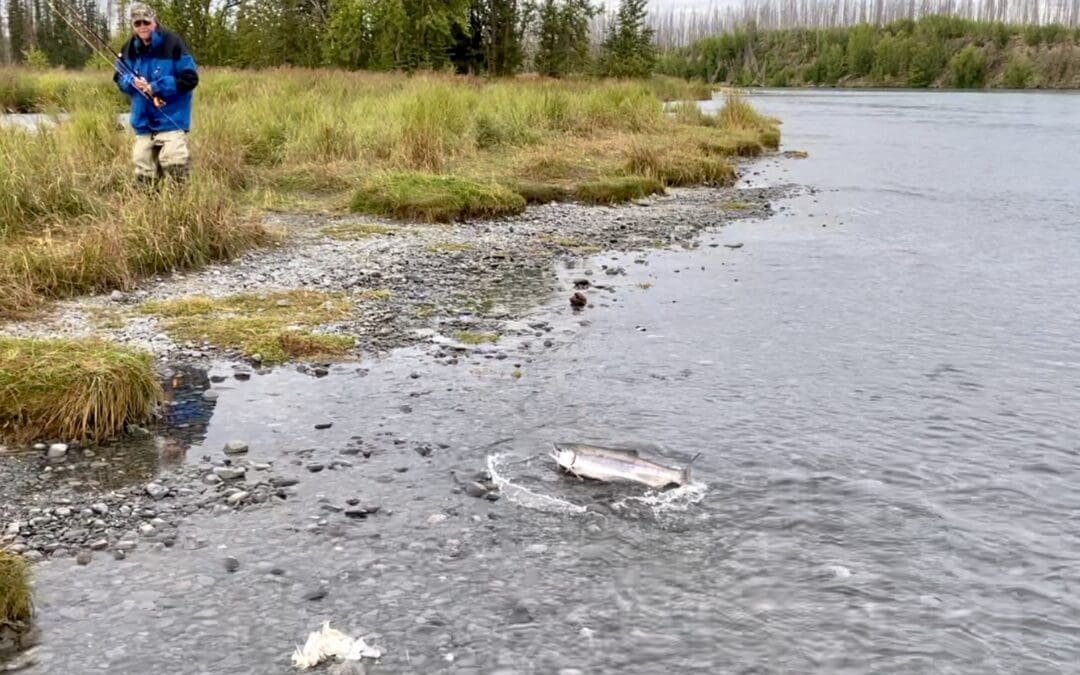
<point>885,407</point>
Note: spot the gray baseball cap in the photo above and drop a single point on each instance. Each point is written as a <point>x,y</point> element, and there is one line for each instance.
<point>142,11</point>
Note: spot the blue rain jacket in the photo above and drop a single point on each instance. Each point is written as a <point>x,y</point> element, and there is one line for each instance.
<point>170,69</point>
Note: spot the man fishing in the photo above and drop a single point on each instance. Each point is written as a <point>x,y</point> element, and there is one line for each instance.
<point>158,72</point>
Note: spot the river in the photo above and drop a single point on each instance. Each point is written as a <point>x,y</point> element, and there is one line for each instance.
<point>882,382</point>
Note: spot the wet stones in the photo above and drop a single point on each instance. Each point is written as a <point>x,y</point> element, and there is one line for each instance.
<point>231,564</point>
<point>578,300</point>
<point>57,451</point>
<point>156,491</point>
<point>324,425</point>
<point>283,481</point>
<point>83,558</point>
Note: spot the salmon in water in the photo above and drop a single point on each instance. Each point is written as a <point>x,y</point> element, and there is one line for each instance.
<point>613,465</point>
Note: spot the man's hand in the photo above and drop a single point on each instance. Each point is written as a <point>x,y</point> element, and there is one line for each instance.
<point>142,85</point>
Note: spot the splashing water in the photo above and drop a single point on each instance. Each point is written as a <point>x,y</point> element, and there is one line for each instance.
<point>523,496</point>
<point>678,499</point>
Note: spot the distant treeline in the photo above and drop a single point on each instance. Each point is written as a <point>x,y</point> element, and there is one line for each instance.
<point>496,37</point>
<point>679,27</point>
<point>933,51</point>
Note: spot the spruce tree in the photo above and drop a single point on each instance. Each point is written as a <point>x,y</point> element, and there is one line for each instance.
<point>628,50</point>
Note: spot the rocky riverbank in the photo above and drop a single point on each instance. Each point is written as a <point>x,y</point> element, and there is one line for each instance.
<point>440,286</point>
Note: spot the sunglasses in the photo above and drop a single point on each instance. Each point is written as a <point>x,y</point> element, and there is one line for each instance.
<point>140,22</point>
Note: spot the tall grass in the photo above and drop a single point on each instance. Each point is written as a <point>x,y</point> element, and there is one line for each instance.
<point>429,146</point>
<point>72,389</point>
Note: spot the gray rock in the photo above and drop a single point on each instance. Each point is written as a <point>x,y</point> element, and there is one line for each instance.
<point>315,467</point>
<point>84,557</point>
<point>116,296</point>
<point>231,564</point>
<point>235,447</point>
<point>34,556</point>
<point>210,395</point>
<point>212,479</point>
<point>57,450</point>
<point>229,473</point>
<point>99,545</point>
<point>156,491</point>
<point>101,508</point>
<point>119,554</point>
<point>125,545</point>
<point>147,530</point>
<point>238,497</point>
<point>282,481</point>
<point>315,593</point>
<point>62,512</point>
<point>474,489</point>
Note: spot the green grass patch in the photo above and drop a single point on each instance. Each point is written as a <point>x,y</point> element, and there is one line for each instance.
<point>474,338</point>
<point>411,195</point>
<point>278,326</point>
<point>353,231</point>
<point>73,389</point>
<point>16,600</point>
<point>734,206</point>
<point>618,190</point>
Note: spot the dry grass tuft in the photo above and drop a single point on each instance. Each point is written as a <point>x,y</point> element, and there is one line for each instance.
<point>73,389</point>
<point>353,231</point>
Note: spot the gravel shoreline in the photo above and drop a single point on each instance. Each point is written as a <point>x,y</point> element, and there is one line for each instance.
<point>478,277</point>
<point>474,276</point>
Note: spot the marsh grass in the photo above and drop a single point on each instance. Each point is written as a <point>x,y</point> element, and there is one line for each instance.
<point>278,326</point>
<point>541,193</point>
<point>429,147</point>
<point>16,600</point>
<point>72,389</point>
<point>618,190</point>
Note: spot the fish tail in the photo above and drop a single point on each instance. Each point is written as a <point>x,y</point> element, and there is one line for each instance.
<point>685,476</point>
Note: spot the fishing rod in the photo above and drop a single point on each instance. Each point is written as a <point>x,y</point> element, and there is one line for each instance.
<point>104,50</point>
